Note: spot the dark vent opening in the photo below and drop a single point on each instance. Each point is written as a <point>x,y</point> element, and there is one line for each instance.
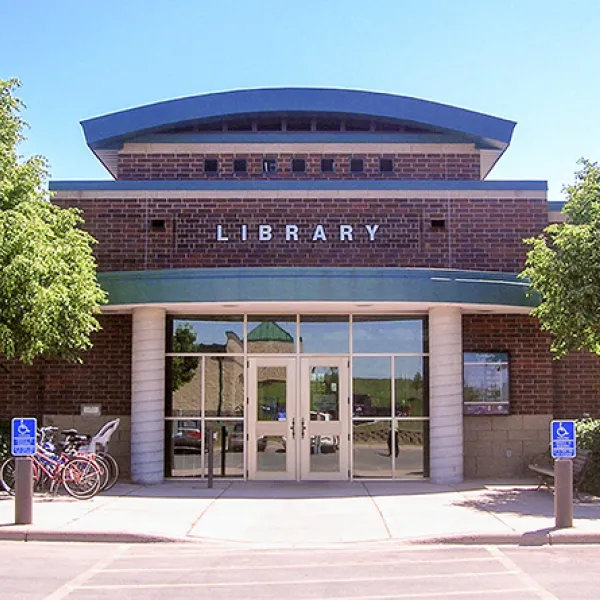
<point>356,165</point>
<point>438,224</point>
<point>211,165</point>
<point>158,225</point>
<point>386,165</point>
<point>327,165</point>
<point>269,165</point>
<point>240,165</point>
<point>298,165</point>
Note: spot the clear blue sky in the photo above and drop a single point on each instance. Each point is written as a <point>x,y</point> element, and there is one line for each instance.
<point>534,62</point>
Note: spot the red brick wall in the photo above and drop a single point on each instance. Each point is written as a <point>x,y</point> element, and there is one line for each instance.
<point>481,234</point>
<point>59,388</point>
<point>21,390</point>
<point>104,377</point>
<point>577,386</point>
<point>406,166</point>
<point>530,369</point>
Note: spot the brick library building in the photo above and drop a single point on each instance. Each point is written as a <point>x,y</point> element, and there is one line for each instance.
<point>310,284</point>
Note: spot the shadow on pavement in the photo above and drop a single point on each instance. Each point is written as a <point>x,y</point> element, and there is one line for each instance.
<point>528,502</point>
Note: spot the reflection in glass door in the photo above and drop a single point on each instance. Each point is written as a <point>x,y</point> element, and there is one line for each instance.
<point>324,416</point>
<point>272,419</point>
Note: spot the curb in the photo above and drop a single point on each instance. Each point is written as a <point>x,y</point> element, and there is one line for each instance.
<point>115,537</point>
<point>530,538</point>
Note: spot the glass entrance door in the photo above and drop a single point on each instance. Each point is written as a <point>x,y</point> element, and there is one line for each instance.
<point>272,422</point>
<point>324,418</point>
<point>298,431</point>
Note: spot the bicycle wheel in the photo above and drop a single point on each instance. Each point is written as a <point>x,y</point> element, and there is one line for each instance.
<point>7,475</point>
<point>104,470</point>
<point>8,472</point>
<point>113,470</point>
<point>81,478</point>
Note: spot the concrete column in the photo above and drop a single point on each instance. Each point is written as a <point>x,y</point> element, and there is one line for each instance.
<point>148,395</point>
<point>446,395</point>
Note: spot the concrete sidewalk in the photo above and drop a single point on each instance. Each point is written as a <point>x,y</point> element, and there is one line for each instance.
<point>307,514</point>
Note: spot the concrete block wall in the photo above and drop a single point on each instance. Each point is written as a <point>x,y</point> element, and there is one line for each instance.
<point>502,446</point>
<point>120,443</point>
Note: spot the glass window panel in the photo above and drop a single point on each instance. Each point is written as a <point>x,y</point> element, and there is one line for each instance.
<point>324,454</point>
<point>388,335</point>
<point>372,386</point>
<point>324,335</point>
<point>224,388</point>
<point>486,383</point>
<point>411,440</point>
<point>371,454</point>
<point>324,394</point>
<point>271,394</point>
<point>228,448</point>
<point>271,454</point>
<point>271,335</point>
<point>207,335</point>
<point>184,386</point>
<point>411,386</point>
<point>184,448</point>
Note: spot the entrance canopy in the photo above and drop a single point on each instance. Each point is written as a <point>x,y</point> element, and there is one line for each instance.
<point>225,286</point>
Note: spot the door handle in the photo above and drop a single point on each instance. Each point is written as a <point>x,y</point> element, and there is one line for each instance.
<point>293,428</point>
<point>303,427</point>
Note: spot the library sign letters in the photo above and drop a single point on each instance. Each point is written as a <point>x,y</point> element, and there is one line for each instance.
<point>295,233</point>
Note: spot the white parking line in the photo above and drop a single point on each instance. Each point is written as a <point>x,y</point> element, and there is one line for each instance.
<point>540,591</point>
<point>231,551</point>
<point>75,584</point>
<point>319,565</point>
<point>144,586</point>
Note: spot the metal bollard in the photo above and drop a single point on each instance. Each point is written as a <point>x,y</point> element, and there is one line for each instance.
<point>563,492</point>
<point>210,440</point>
<point>23,491</point>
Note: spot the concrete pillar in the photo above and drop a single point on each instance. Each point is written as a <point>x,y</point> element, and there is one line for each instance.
<point>148,395</point>
<point>446,395</point>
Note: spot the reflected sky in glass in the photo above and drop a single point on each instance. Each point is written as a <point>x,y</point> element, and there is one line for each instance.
<point>387,336</point>
<point>208,333</point>
<point>331,337</point>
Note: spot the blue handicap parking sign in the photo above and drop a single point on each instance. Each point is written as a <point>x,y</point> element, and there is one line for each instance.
<point>23,438</point>
<point>563,439</point>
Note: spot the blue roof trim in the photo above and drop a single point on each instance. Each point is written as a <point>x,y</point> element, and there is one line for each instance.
<point>297,184</point>
<point>556,206</point>
<point>316,284</point>
<point>105,131</point>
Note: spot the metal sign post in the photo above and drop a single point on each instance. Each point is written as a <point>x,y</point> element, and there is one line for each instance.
<point>564,449</point>
<point>23,445</point>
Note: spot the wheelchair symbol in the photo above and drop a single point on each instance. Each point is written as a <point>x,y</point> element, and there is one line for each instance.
<point>23,429</point>
<point>562,431</point>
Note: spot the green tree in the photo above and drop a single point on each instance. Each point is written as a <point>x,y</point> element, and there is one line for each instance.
<point>183,368</point>
<point>49,293</point>
<point>563,266</point>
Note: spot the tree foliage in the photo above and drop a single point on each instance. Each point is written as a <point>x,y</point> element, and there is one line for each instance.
<point>563,266</point>
<point>183,368</point>
<point>49,292</point>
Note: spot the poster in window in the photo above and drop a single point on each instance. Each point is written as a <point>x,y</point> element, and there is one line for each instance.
<point>486,389</point>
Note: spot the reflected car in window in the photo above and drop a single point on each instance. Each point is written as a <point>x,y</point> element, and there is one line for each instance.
<point>236,440</point>
<point>188,437</point>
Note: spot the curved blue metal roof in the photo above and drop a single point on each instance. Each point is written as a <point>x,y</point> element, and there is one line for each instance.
<point>112,130</point>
